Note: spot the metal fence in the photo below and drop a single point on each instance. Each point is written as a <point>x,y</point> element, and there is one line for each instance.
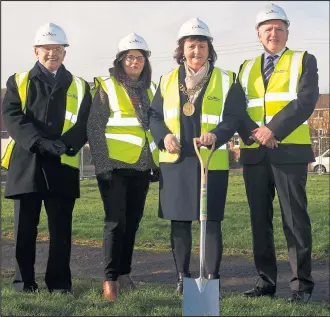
<point>87,169</point>
<point>320,144</point>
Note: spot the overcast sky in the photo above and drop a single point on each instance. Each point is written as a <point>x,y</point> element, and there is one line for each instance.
<point>94,29</point>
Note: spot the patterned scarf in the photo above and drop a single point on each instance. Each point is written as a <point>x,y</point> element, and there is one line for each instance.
<point>193,78</point>
<point>139,97</point>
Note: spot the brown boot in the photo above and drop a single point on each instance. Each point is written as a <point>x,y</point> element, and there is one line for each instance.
<point>110,290</point>
<point>126,283</point>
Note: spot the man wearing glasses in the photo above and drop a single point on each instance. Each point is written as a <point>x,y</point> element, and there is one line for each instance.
<point>45,111</point>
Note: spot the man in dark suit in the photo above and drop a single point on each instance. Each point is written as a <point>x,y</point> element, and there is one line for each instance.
<point>281,91</point>
<point>45,111</point>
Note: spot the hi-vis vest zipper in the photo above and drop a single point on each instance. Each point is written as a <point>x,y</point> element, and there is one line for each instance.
<point>124,134</point>
<point>282,88</point>
<point>75,95</point>
<point>212,111</point>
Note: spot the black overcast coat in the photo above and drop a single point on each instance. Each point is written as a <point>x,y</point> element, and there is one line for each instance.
<point>45,111</point>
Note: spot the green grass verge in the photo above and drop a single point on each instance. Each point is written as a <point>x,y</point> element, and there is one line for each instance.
<point>149,300</point>
<point>154,232</point>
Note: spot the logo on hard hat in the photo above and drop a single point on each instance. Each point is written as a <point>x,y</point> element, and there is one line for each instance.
<point>197,27</point>
<point>135,41</point>
<point>49,33</point>
<point>271,11</point>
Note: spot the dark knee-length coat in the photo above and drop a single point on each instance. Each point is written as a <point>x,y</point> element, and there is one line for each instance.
<point>179,186</point>
<point>44,118</point>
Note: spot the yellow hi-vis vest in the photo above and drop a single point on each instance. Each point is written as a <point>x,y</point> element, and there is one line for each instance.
<point>282,88</point>
<point>97,82</point>
<point>212,111</point>
<point>74,97</point>
<point>124,134</point>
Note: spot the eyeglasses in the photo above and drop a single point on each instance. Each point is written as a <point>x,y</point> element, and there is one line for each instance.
<point>132,58</point>
<point>58,49</point>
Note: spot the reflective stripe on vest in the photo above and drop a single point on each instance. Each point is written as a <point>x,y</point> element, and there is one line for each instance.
<point>281,90</point>
<point>74,98</point>
<point>212,111</point>
<point>124,134</point>
<point>75,95</point>
<point>22,83</point>
<point>97,82</point>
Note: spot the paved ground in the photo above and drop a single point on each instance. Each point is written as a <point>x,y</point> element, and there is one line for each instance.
<point>237,273</point>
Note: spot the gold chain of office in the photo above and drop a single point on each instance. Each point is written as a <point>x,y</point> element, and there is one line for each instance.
<point>189,108</point>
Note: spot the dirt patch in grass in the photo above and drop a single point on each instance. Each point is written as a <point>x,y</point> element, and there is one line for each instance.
<point>237,273</point>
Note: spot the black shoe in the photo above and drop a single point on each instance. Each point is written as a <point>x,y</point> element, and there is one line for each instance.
<point>32,288</point>
<point>215,277</point>
<point>257,292</point>
<point>299,297</point>
<point>179,285</point>
<point>61,290</point>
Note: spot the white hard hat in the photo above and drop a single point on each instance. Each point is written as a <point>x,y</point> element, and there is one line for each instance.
<point>50,33</point>
<point>271,12</point>
<point>133,42</point>
<point>194,26</point>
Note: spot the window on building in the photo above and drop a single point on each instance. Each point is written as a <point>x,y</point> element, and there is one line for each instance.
<point>236,140</point>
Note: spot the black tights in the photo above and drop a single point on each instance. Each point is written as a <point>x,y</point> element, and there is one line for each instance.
<point>181,242</point>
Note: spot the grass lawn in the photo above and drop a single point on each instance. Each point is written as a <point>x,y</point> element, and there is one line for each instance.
<point>154,232</point>
<point>149,300</point>
<point>159,300</point>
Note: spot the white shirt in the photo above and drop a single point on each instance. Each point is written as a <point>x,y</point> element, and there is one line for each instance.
<point>279,54</point>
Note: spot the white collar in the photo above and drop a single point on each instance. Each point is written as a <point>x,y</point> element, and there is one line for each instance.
<point>279,54</point>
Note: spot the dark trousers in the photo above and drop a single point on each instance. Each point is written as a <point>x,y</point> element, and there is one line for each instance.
<point>290,181</point>
<point>181,242</point>
<point>123,200</point>
<point>59,211</point>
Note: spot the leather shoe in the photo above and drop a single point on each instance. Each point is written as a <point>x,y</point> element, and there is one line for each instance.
<point>31,288</point>
<point>299,297</point>
<point>179,285</point>
<point>125,283</point>
<point>215,277</point>
<point>110,290</point>
<point>61,291</point>
<point>257,292</point>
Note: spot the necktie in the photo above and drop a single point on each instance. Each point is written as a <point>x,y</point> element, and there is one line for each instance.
<point>269,68</point>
